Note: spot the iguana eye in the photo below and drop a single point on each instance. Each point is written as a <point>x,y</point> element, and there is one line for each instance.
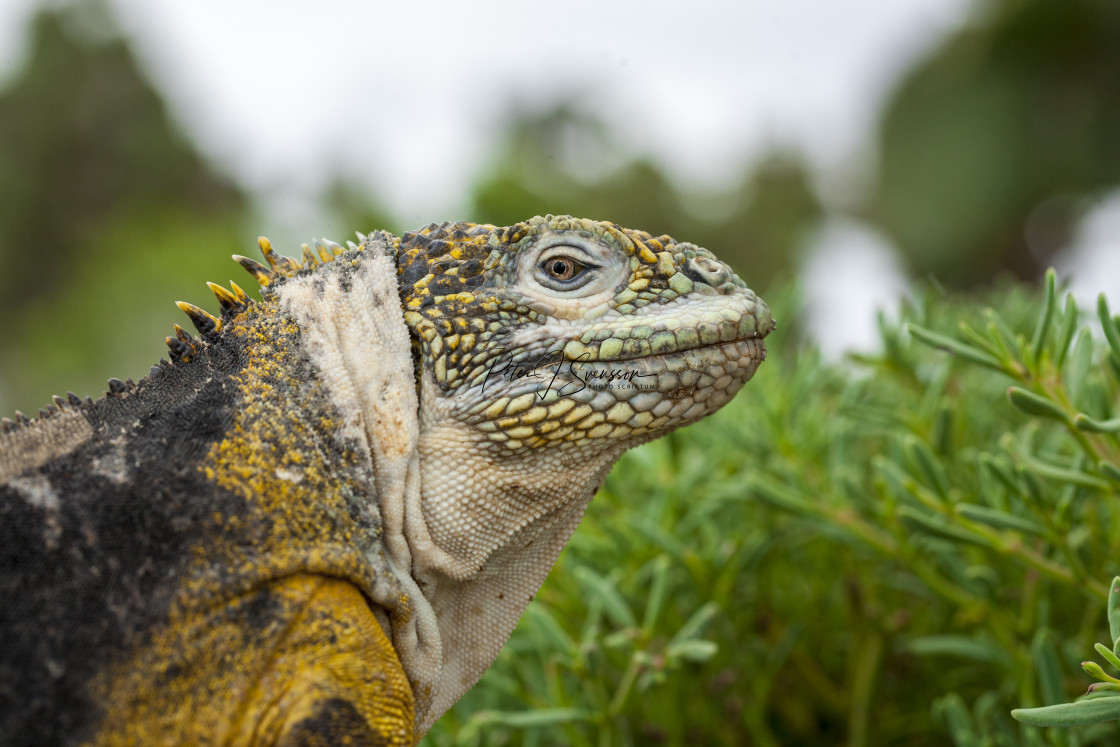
<point>568,273</point>
<point>562,268</point>
<point>560,271</point>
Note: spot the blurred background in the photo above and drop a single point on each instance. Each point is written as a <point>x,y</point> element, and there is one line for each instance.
<point>841,156</point>
<point>840,150</point>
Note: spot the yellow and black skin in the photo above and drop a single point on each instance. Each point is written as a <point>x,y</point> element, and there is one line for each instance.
<point>188,560</point>
<point>163,580</point>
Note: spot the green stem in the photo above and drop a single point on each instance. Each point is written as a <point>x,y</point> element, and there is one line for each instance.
<point>624,687</point>
<point>863,688</point>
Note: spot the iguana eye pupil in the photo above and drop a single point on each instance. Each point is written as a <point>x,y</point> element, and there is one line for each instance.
<point>562,268</point>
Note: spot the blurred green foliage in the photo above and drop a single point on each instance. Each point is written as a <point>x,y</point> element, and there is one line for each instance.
<point>996,145</point>
<point>109,214</point>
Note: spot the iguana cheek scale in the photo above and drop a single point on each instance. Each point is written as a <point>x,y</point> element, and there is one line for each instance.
<point>322,519</point>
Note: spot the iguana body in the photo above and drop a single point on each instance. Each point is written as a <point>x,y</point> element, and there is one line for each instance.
<point>322,520</point>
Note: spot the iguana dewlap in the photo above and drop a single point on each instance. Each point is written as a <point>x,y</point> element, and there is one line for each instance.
<point>320,521</point>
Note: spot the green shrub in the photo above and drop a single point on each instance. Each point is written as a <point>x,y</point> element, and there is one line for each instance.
<point>897,549</point>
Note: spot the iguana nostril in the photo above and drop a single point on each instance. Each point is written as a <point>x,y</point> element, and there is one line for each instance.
<point>707,271</point>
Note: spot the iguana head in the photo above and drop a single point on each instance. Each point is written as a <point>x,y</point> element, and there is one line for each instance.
<point>567,333</point>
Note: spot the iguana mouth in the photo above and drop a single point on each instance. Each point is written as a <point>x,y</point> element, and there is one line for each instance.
<point>715,353</point>
<point>619,399</point>
<point>722,344</point>
<point>683,367</point>
<point>697,328</point>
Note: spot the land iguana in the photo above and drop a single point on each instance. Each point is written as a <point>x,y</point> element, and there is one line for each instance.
<point>319,520</point>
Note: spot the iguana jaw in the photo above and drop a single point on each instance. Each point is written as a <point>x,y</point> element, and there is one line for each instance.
<point>563,402</point>
<point>489,476</point>
<point>552,431</point>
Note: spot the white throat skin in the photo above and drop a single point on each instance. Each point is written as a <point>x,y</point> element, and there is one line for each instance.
<point>486,532</point>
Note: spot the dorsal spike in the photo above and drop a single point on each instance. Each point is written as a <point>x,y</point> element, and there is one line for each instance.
<point>335,249</point>
<point>270,255</point>
<point>255,268</point>
<point>309,258</point>
<point>277,261</point>
<point>182,334</point>
<point>116,387</point>
<point>242,296</point>
<point>6,425</point>
<point>21,418</point>
<point>361,237</point>
<point>351,245</point>
<point>207,324</point>
<point>74,399</point>
<point>324,253</point>
<point>229,302</point>
<point>180,351</point>
<point>58,401</point>
<point>43,414</point>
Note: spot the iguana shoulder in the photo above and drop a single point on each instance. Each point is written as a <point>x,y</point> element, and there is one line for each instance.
<point>325,514</point>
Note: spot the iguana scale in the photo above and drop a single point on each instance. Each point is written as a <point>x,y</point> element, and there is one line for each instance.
<point>319,521</point>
